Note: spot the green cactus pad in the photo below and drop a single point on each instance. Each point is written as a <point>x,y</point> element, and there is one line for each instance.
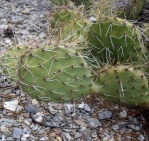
<point>132,9</point>
<point>146,34</point>
<point>124,85</point>
<point>10,61</point>
<point>61,17</point>
<point>59,2</point>
<point>55,74</point>
<point>70,25</point>
<point>115,40</point>
<point>125,9</point>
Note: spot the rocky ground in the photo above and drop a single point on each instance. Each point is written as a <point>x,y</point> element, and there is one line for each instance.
<point>25,119</point>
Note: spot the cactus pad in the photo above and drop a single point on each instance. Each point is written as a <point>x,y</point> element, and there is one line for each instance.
<point>116,40</point>
<point>55,74</point>
<point>124,85</point>
<point>69,25</point>
<point>10,61</point>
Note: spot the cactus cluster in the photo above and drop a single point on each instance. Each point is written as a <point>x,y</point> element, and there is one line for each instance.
<point>64,73</point>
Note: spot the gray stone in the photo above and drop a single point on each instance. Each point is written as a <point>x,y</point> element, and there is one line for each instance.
<point>58,106</point>
<point>18,92</point>
<point>104,115</point>
<point>35,127</point>
<point>19,109</point>
<point>86,108</point>
<point>93,122</point>
<point>35,102</point>
<point>17,132</point>
<point>58,118</point>
<point>141,138</point>
<point>81,106</point>
<point>26,11</point>
<point>137,128</point>
<point>67,135</point>
<point>123,114</point>
<point>10,139</point>
<point>28,121</point>
<point>69,108</point>
<point>8,41</point>
<point>32,108</point>
<point>77,135</point>
<point>115,127</point>
<point>135,121</point>
<point>3,26</point>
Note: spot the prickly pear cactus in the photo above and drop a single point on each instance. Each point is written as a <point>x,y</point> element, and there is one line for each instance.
<point>70,25</point>
<point>79,2</point>
<point>10,61</point>
<point>146,34</point>
<point>127,9</point>
<point>124,85</point>
<point>56,74</point>
<point>115,40</point>
<point>130,9</point>
<point>61,17</point>
<point>59,2</point>
<point>87,3</point>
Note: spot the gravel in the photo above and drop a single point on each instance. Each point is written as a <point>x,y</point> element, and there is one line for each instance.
<point>32,120</point>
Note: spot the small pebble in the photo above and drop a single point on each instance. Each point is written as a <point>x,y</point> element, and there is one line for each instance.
<point>141,138</point>
<point>115,127</point>
<point>104,115</point>
<point>123,114</point>
<point>93,122</point>
<point>17,132</point>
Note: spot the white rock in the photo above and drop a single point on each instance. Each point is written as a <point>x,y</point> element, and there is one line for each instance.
<point>68,107</point>
<point>67,135</point>
<point>93,19</point>
<point>35,102</point>
<point>86,108</point>
<point>123,114</point>
<point>3,138</point>
<point>27,122</point>
<point>42,35</point>
<point>81,106</point>
<point>51,110</point>
<point>105,139</point>
<point>19,109</point>
<point>141,138</point>
<point>115,127</point>
<point>39,119</point>
<point>26,11</point>
<point>25,136</point>
<point>11,105</point>
<point>4,129</point>
<point>44,139</point>
<point>8,41</point>
<point>3,26</point>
